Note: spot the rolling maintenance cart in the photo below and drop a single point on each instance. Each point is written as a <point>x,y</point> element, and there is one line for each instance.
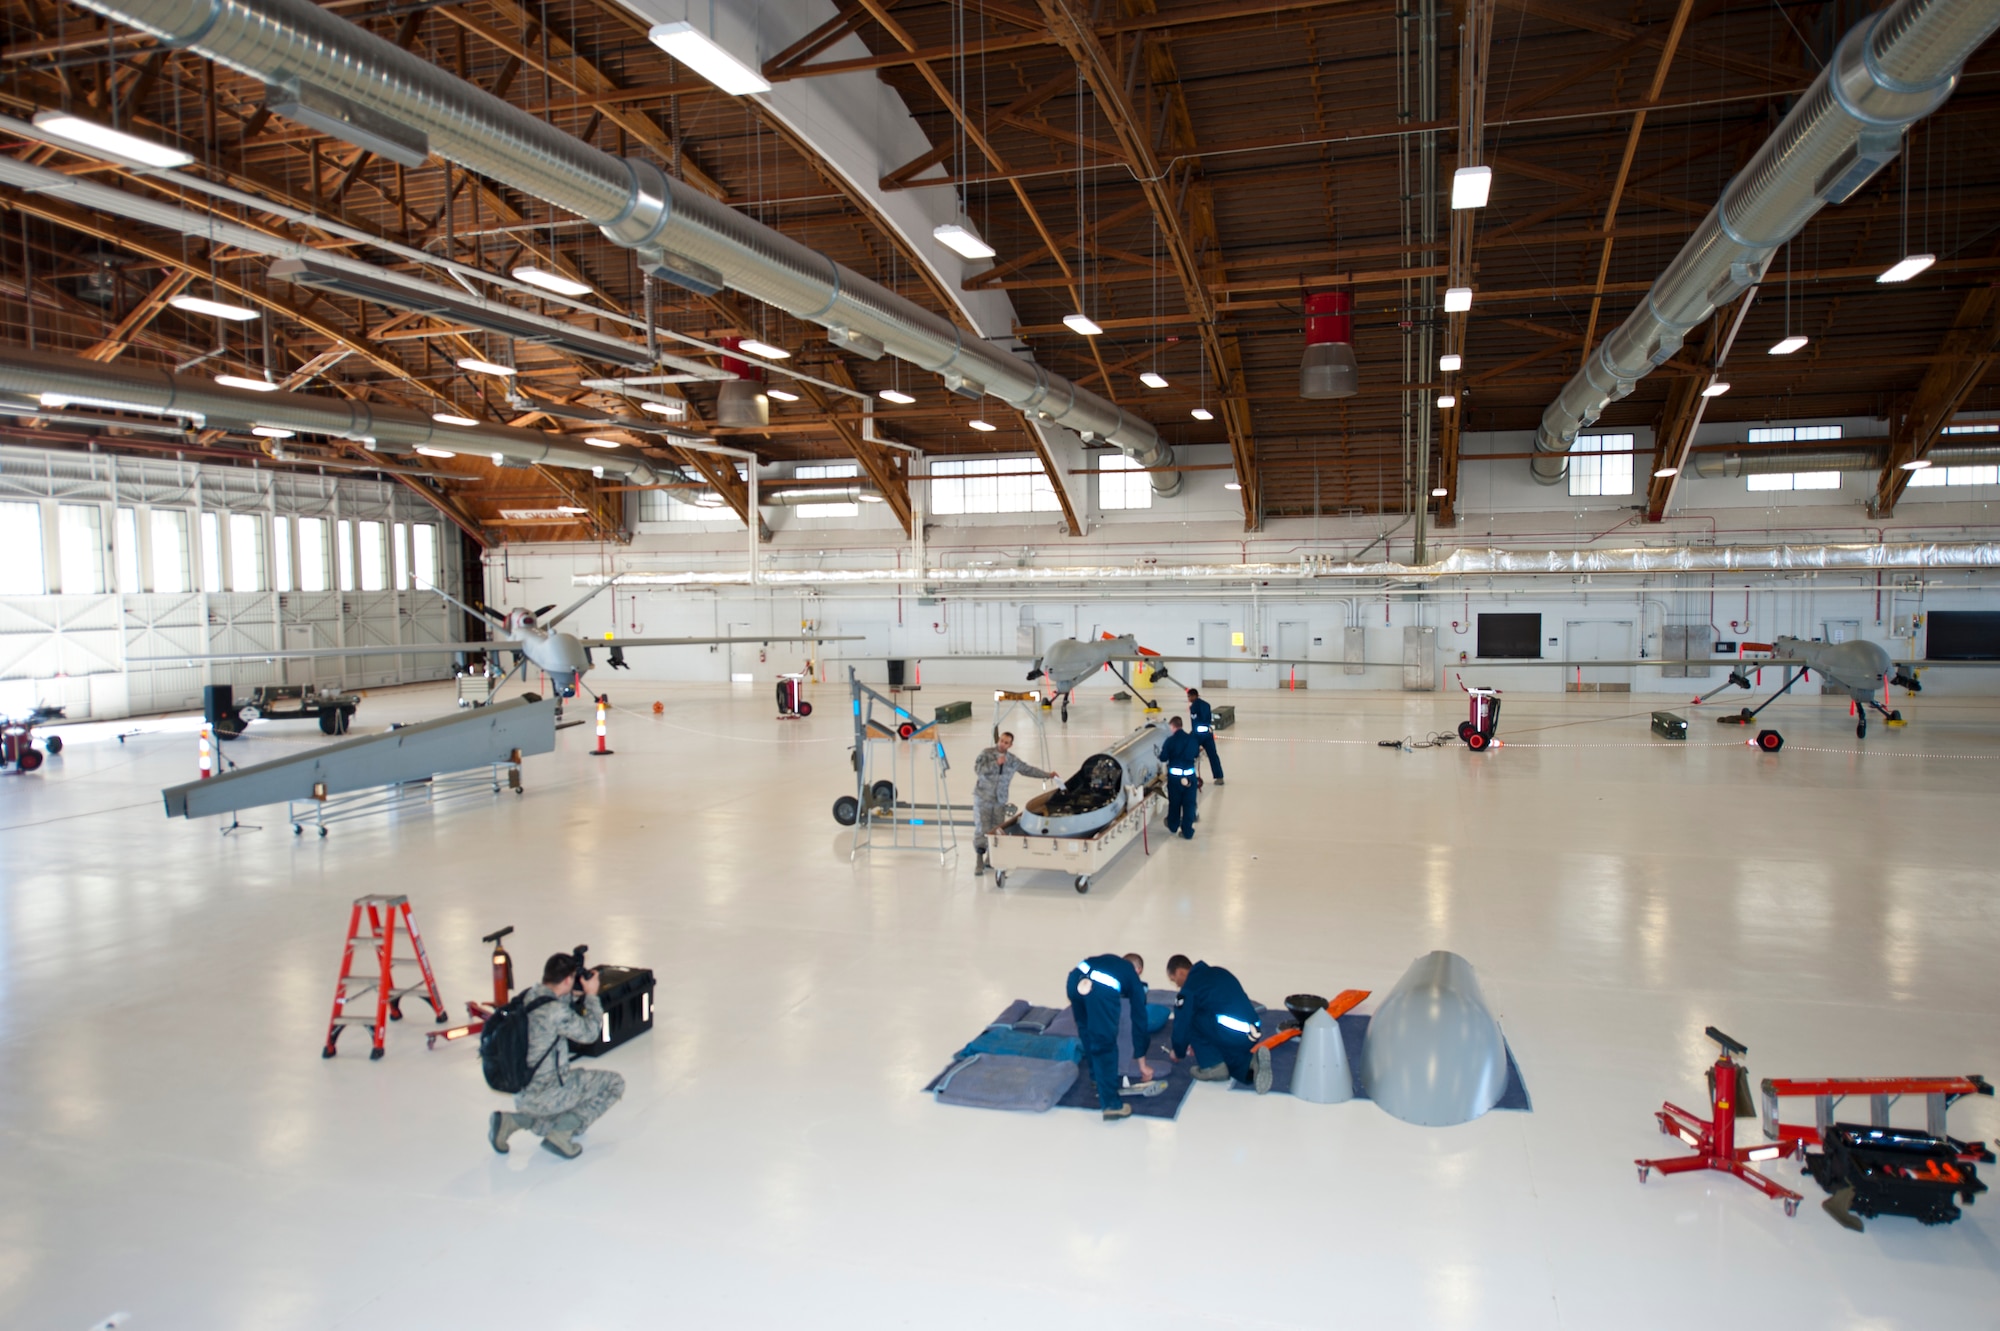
<point>1082,857</point>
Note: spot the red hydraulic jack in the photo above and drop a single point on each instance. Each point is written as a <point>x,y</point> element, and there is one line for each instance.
<point>1715,1141</point>
<point>503,988</point>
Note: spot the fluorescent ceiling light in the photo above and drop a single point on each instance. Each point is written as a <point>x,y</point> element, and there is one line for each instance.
<point>272,432</point>
<point>571,509</point>
<point>1786,346</point>
<point>962,239</point>
<point>114,142</point>
<point>478,366</point>
<point>1902,271</point>
<point>781,395</point>
<point>1447,400</point>
<point>764,349</point>
<point>1232,485</point>
<point>595,442</point>
<point>700,53</point>
<point>1665,472</point>
<point>435,452</point>
<point>1449,363</point>
<point>1439,493</point>
<point>673,409</point>
<point>982,426</point>
<point>896,396</point>
<point>452,418</point>
<point>1716,389</point>
<point>1082,323</point>
<point>1916,464</point>
<point>1457,300</point>
<point>548,281</point>
<point>240,381</point>
<point>216,308</point>
<point>1202,414</point>
<point>1153,379</point>
<point>1470,185</point>
<point>499,459</point>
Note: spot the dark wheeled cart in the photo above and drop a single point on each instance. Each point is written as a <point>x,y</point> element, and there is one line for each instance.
<point>333,709</point>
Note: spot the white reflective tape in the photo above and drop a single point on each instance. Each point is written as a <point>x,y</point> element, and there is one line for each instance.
<point>1236,1024</point>
<point>1100,977</point>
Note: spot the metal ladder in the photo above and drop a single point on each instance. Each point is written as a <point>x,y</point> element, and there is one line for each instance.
<point>382,914</point>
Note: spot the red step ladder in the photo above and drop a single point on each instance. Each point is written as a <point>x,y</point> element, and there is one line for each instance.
<point>382,914</point>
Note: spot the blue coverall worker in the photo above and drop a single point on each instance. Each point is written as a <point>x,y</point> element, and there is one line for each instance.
<point>1098,987</point>
<point>1201,720</point>
<point>1180,754</point>
<point>1217,1020</point>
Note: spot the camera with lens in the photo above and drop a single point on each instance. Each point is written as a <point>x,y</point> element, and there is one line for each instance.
<point>583,972</point>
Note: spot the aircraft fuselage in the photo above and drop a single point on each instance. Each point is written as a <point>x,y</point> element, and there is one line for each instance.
<point>1857,667</point>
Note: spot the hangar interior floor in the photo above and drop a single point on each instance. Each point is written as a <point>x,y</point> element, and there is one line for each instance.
<point>173,1145</point>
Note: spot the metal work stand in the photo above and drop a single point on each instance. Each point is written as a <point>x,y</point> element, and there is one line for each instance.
<point>895,811</point>
<point>1006,706</point>
<point>1714,1141</point>
<point>423,793</point>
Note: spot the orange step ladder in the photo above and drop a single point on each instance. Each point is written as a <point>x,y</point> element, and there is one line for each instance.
<point>382,914</point>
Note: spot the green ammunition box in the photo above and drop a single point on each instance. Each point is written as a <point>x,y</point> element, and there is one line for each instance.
<point>953,711</point>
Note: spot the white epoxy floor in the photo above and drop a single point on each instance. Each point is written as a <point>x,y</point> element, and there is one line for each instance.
<point>172,1144</point>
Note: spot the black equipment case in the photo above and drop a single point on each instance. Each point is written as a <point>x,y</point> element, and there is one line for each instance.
<point>627,995</point>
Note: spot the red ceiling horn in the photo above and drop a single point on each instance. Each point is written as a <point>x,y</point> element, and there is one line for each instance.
<point>1329,369</point>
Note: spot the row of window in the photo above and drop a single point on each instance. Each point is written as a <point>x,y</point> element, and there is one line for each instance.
<point>957,485</point>
<point>177,550</point>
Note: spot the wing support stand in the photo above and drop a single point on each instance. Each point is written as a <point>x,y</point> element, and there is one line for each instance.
<point>1714,1141</point>
<point>896,811</point>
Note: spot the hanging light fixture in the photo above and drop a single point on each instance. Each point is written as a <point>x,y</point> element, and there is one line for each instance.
<point>549,281</point>
<point>706,57</point>
<point>1470,186</point>
<point>1153,379</point>
<point>963,240</point>
<point>245,382</point>
<point>1716,389</point>
<point>897,396</point>
<point>1202,414</point>
<point>1787,345</point>
<point>1449,362</point>
<point>109,142</point>
<point>215,309</point>
<point>1082,324</point>
<point>1457,300</point>
<point>1906,268</point>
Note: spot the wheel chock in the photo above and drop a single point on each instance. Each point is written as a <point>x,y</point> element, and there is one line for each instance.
<point>1769,741</point>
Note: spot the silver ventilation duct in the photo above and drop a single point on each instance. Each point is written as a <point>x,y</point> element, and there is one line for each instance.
<point>680,234</point>
<point>1902,556</point>
<point>43,379</point>
<point>1891,70</point>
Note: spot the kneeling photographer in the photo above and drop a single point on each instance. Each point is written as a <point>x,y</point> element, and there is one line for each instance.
<point>559,1101</point>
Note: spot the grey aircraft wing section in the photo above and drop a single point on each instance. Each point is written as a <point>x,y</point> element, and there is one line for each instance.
<point>491,734</point>
<point>705,642</point>
<point>321,653</point>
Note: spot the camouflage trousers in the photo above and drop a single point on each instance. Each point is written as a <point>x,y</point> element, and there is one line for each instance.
<point>587,1093</point>
<point>987,815</point>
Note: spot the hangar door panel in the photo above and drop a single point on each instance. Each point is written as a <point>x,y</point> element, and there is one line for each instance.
<point>1294,644</point>
<point>1587,640</point>
<point>1215,643</point>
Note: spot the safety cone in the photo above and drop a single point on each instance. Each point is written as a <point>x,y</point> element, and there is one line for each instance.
<point>207,755</point>
<point>600,751</point>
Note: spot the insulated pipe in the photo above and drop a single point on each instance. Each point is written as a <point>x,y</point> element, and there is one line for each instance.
<point>1890,71</point>
<point>1765,461</point>
<point>44,379</point>
<point>680,233</point>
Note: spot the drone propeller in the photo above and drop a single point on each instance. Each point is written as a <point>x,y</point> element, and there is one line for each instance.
<point>544,610</point>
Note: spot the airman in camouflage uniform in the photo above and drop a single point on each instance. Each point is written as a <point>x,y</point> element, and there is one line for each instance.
<point>560,1101</point>
<point>993,770</point>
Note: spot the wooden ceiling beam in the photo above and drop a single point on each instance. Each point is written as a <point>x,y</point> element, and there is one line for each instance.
<point>1183,208</point>
<point>1967,351</point>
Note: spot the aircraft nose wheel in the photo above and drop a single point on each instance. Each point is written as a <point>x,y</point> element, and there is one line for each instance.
<point>1861,729</point>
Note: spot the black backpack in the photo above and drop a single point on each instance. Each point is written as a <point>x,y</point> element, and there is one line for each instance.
<point>503,1045</point>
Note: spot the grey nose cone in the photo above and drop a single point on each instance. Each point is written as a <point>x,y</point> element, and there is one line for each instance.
<point>1433,1055</point>
<point>1321,1074</point>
